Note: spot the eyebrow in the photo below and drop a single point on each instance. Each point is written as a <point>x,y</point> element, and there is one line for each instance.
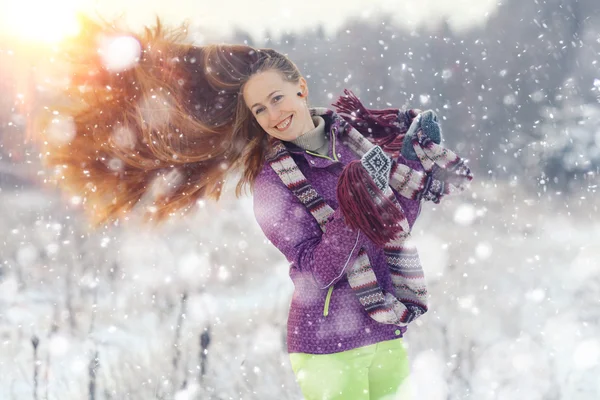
<point>268,97</point>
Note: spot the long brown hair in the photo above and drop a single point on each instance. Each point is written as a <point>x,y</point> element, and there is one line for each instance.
<point>164,133</point>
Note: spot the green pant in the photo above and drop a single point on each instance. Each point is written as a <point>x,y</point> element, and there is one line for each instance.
<point>378,371</point>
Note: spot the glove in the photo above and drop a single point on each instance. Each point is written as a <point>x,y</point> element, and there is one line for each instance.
<point>446,172</point>
<point>427,121</point>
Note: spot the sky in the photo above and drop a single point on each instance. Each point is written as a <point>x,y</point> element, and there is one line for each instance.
<point>253,16</point>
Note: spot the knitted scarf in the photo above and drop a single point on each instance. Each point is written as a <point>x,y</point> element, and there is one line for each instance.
<point>444,172</point>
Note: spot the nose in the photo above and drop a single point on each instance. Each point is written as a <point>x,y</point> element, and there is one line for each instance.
<point>274,115</point>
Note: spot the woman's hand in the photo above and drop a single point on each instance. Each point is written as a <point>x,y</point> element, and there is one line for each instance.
<point>427,122</point>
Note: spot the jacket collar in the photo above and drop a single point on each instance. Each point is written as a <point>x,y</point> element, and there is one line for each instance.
<point>334,126</point>
<point>327,116</point>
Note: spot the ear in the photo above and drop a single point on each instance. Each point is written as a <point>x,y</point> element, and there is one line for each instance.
<point>303,86</point>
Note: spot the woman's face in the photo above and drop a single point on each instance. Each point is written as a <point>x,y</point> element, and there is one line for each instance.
<point>276,105</point>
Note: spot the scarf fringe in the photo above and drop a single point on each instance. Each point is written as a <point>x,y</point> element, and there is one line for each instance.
<point>365,207</point>
<point>381,126</point>
<point>364,117</point>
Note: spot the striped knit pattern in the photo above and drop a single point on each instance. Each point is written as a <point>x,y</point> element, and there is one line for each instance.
<point>295,180</point>
<point>448,172</point>
<point>407,181</point>
<point>409,299</point>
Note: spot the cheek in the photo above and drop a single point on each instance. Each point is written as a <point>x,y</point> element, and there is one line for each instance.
<point>262,121</point>
<point>291,103</point>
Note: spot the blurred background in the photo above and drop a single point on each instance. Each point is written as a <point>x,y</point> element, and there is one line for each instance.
<point>197,308</point>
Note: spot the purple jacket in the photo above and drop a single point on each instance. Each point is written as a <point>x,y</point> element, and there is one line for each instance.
<point>322,319</point>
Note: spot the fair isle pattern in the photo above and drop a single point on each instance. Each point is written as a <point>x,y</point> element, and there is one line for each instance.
<point>378,165</point>
<point>367,299</point>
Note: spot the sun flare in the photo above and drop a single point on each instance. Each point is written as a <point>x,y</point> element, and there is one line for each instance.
<point>40,20</point>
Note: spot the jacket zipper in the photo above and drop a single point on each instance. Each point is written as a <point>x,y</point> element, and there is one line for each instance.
<point>327,157</point>
<point>328,297</point>
<point>327,300</point>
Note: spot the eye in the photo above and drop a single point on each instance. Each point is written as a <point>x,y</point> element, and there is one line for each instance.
<point>275,100</point>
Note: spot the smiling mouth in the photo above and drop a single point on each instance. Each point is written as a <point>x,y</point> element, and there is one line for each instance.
<point>283,125</point>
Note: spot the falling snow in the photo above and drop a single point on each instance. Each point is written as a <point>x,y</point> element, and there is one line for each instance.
<point>197,308</point>
<point>119,53</point>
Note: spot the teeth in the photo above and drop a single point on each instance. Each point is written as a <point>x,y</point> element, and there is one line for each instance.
<point>285,124</point>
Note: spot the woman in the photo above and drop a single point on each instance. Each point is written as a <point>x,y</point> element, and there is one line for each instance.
<point>338,206</point>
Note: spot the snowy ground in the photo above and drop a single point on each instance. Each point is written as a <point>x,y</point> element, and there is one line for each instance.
<point>514,311</point>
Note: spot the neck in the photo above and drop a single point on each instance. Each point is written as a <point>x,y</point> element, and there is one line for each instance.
<point>314,139</point>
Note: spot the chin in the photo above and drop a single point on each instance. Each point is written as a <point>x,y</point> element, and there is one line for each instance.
<point>291,135</point>
<point>287,136</point>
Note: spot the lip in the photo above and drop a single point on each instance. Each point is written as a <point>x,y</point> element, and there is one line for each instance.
<point>277,124</point>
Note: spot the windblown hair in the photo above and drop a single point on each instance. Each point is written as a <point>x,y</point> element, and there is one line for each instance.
<point>165,132</point>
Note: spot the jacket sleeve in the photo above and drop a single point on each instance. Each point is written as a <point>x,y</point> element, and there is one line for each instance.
<point>291,228</point>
